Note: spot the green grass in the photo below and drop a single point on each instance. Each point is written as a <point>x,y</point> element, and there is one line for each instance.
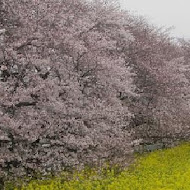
<point>167,169</point>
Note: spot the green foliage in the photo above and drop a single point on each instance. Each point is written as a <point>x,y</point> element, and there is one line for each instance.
<point>167,169</point>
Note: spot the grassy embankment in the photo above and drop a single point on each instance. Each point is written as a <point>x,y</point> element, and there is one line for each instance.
<point>167,169</point>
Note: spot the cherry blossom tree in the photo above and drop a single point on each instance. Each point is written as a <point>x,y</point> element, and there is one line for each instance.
<point>61,76</point>
<point>162,81</point>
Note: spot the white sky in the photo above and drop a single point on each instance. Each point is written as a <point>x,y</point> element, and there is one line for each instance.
<point>163,13</point>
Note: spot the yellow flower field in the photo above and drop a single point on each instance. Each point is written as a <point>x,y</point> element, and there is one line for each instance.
<point>167,169</point>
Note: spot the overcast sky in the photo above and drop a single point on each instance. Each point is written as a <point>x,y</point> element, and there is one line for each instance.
<point>163,13</point>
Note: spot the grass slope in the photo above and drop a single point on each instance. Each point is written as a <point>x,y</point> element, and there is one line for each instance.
<point>161,170</point>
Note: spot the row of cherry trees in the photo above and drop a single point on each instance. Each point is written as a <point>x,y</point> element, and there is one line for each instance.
<point>79,78</point>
